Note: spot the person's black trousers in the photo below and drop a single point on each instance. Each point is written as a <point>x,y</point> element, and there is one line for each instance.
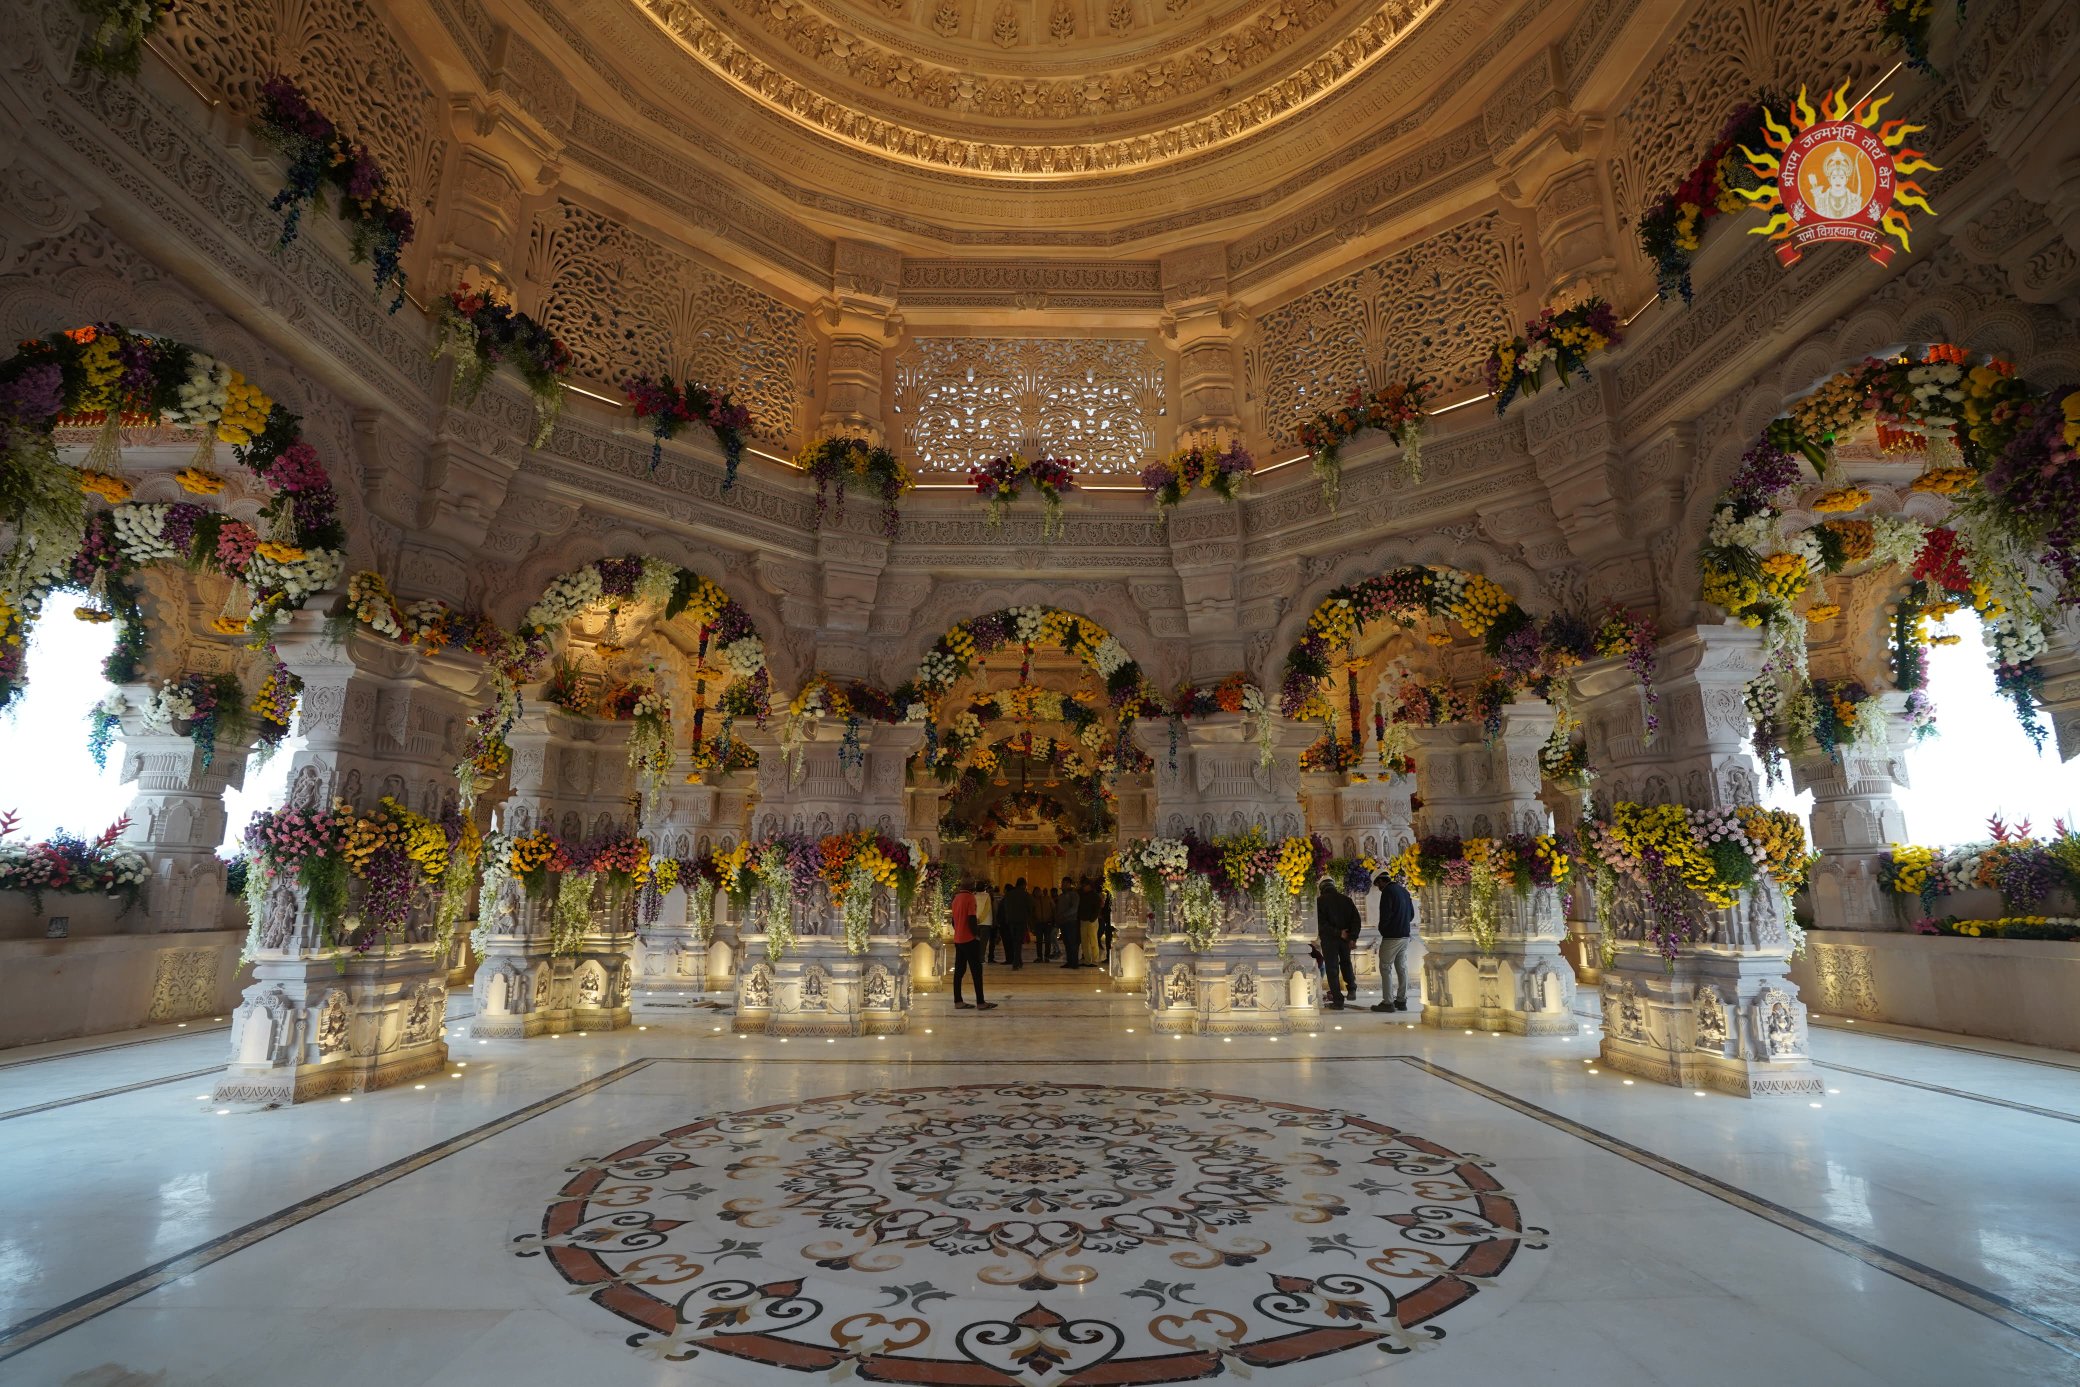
<point>1337,971</point>
<point>967,959</point>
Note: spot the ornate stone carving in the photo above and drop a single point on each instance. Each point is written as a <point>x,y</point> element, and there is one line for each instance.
<point>1094,400</point>
<point>623,302</point>
<point>1432,308</point>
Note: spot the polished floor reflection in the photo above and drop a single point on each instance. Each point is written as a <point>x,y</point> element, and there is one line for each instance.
<point>1044,1194</point>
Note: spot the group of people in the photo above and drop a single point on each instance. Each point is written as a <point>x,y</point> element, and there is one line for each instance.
<point>1338,923</point>
<point>1071,922</point>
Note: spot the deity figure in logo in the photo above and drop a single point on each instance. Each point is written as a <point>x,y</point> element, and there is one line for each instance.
<point>1842,196</point>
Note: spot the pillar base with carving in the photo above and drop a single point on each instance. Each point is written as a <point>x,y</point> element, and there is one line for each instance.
<point>671,967</point>
<point>603,980</point>
<point>1235,986</point>
<point>928,971</point>
<point>1729,1020</point>
<point>1131,948</point>
<point>312,1026</point>
<point>1520,985</point>
<point>516,991</point>
<point>820,988</point>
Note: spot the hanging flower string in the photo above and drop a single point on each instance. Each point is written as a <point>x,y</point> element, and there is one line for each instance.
<point>1395,410</point>
<point>320,157</point>
<point>1000,480</point>
<point>1562,339</point>
<point>481,330</point>
<point>670,407</point>
<point>1202,466</point>
<point>842,464</point>
<point>1672,229</point>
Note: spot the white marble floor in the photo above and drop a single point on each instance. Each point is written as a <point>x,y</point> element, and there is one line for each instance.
<point>1046,1194</point>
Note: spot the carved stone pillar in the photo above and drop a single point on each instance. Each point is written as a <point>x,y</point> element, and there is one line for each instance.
<point>177,817</point>
<point>1476,787</point>
<point>1206,551</point>
<point>1855,820</point>
<point>1546,153</point>
<point>671,951</point>
<point>1377,817</point>
<point>860,321</point>
<point>378,719</point>
<point>509,142</point>
<point>1202,324</point>
<point>2016,67</point>
<point>1725,1014</point>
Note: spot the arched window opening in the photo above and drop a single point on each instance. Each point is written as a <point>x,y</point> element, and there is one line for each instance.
<point>51,780</point>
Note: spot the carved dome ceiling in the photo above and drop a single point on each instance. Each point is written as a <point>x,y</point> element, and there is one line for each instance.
<point>1041,122</point>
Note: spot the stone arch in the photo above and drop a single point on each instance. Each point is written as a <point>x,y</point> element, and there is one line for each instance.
<point>1109,605</point>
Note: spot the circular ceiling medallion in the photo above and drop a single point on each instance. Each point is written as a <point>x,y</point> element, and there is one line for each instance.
<point>1037,1233</point>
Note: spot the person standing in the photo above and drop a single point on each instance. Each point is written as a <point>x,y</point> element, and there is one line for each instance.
<point>967,948</point>
<point>1397,919</point>
<point>1336,926</point>
<point>1067,905</point>
<point>1087,907</point>
<point>986,920</point>
<point>1107,936</point>
<point>1043,925</point>
<point>1014,921</point>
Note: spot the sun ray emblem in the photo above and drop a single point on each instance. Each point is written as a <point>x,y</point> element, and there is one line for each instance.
<point>1836,175</point>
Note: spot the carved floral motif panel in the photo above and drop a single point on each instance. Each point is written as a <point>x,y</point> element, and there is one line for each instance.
<point>342,53</point>
<point>962,400</point>
<point>1433,308</point>
<point>624,303</point>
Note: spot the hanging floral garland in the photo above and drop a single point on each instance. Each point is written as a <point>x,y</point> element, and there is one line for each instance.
<point>360,873</point>
<point>108,377</point>
<point>854,702</point>
<point>1395,410</point>
<point>1202,466</point>
<point>1659,872</point>
<point>670,407</point>
<point>1000,480</point>
<point>1562,339</point>
<point>1672,229</point>
<point>116,33</point>
<point>321,156</point>
<point>954,654</point>
<point>71,865</point>
<point>844,464</point>
<point>1237,694</point>
<point>2001,453</point>
<point>480,329</point>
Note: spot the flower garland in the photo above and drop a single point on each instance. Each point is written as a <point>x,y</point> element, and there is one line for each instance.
<point>1000,480</point>
<point>116,33</point>
<point>200,707</point>
<point>1672,228</point>
<point>2057,929</point>
<point>650,748</point>
<point>853,701</point>
<point>381,860</point>
<point>671,407</point>
<point>1202,466</point>
<point>319,155</point>
<point>846,463</point>
<point>108,376</point>
<point>1395,410</point>
<point>954,654</point>
<point>1563,340</point>
<point>1236,694</point>
<point>1658,870</point>
<point>72,865</point>
<point>480,329</point>
<point>273,708</point>
<point>2024,870</point>
<point>1999,452</point>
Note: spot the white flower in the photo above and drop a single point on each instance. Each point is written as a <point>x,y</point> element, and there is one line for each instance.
<point>297,580</point>
<point>745,656</point>
<point>1109,655</point>
<point>565,598</point>
<point>1025,623</point>
<point>203,393</point>
<point>1895,539</point>
<point>1758,533</point>
<point>937,670</point>
<point>140,532</point>
<point>1806,545</point>
<point>167,706</point>
<point>654,588</point>
<point>917,710</point>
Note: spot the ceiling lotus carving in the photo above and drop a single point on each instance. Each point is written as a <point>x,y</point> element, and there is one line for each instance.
<point>1038,87</point>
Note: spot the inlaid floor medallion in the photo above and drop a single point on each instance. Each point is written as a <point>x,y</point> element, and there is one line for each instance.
<point>1040,1234</point>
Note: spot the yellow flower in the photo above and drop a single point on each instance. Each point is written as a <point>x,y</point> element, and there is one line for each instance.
<point>1845,498</point>
<point>1784,576</point>
<point>107,485</point>
<point>199,480</point>
<point>1823,611</point>
<point>276,552</point>
<point>229,625</point>
<point>1945,481</point>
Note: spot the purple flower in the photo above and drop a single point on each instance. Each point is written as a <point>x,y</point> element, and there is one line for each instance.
<point>617,577</point>
<point>1765,473</point>
<point>181,519</point>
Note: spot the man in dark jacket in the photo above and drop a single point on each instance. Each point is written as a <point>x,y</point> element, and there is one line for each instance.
<point>1015,922</point>
<point>1336,929</point>
<point>1397,919</point>
<point>1066,903</point>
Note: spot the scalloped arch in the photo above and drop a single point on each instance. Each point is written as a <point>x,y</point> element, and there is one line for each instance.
<point>949,605</point>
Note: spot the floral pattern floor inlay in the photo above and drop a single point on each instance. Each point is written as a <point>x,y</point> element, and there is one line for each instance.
<point>1043,1234</point>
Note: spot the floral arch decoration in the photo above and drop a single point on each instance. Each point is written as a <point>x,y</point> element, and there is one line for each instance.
<point>1998,460</point>
<point>1524,654</point>
<point>77,527</point>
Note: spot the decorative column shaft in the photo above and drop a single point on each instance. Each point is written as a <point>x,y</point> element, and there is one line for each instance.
<point>178,818</point>
<point>1855,821</point>
<point>1725,1014</point>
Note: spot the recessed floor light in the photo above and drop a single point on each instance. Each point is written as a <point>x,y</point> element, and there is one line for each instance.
<point>1834,1090</point>
<point>202,1097</point>
<point>454,1076</point>
<point>346,1100</point>
<point>462,1064</point>
<point>1596,1071</point>
<point>418,1085</point>
<point>1812,1105</point>
<point>1699,1093</point>
<point>223,1112</point>
<point>1628,1083</point>
<point>1130,1030</point>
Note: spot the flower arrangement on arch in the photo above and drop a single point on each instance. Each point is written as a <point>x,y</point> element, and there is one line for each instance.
<point>671,406</point>
<point>1000,480</point>
<point>481,329</point>
<point>321,156</point>
<point>1671,229</point>
<point>116,33</point>
<point>1563,339</point>
<point>1202,466</point>
<point>1395,409</point>
<point>843,463</point>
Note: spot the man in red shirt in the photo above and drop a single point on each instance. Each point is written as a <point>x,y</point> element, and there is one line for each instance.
<point>967,949</point>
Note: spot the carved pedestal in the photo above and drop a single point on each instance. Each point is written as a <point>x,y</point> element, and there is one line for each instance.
<point>928,970</point>
<point>671,966</point>
<point>1236,986</point>
<point>1726,1020</point>
<point>515,991</point>
<point>1128,966</point>
<point>311,1027</point>
<point>819,988</point>
<point>602,979</point>
<point>1521,985</point>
